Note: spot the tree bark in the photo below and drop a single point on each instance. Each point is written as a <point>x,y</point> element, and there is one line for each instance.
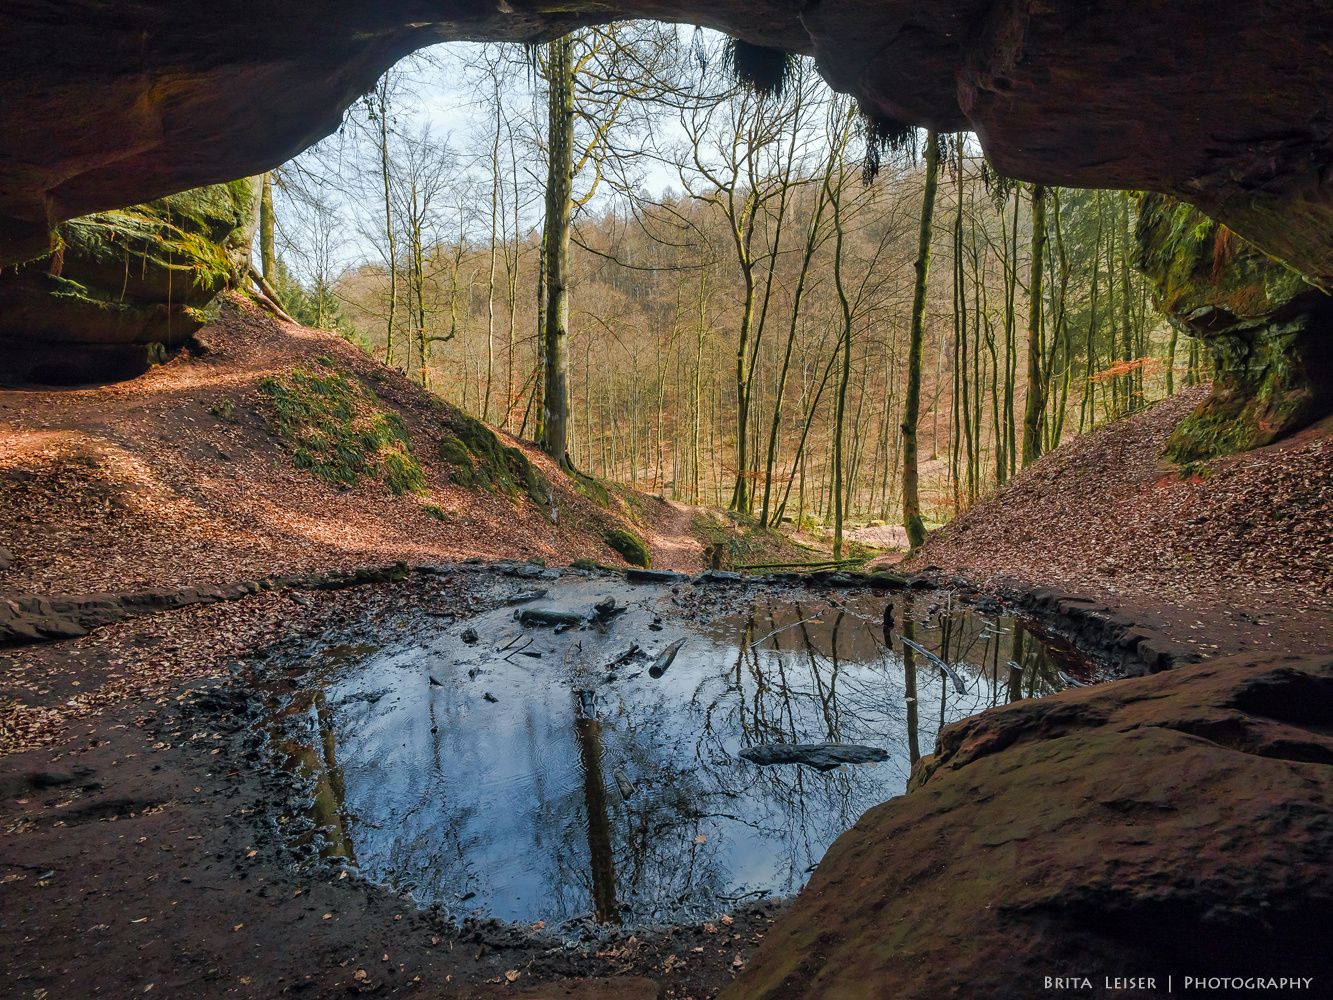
<point>267,261</point>
<point>1035,402</point>
<point>916,528</point>
<point>559,193</point>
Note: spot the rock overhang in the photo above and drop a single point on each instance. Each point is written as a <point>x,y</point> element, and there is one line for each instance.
<point>1220,103</point>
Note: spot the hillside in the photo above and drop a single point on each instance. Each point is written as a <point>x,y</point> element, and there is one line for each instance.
<point>183,476</point>
<point>1240,547</point>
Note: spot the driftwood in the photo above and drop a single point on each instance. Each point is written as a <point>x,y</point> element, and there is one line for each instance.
<point>660,665</point>
<point>958,684</point>
<point>267,297</point>
<point>821,756</point>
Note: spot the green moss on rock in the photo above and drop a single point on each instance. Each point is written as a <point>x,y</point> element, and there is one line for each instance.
<point>631,546</point>
<point>119,281</point>
<point>1265,327</point>
<point>590,488</point>
<point>337,432</point>
<point>480,459</point>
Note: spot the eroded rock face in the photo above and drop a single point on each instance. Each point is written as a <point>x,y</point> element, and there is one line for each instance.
<point>1171,824</point>
<point>1220,102</point>
<point>1267,328</point>
<point>124,286</point>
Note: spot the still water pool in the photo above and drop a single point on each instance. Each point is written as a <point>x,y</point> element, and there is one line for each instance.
<point>535,773</point>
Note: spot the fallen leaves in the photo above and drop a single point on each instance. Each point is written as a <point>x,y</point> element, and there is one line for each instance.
<point>1099,516</point>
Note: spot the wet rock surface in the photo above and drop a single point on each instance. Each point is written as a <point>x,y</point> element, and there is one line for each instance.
<point>1168,824</point>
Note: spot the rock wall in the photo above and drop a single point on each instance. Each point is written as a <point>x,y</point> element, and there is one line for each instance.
<point>124,287</point>
<point>1269,331</point>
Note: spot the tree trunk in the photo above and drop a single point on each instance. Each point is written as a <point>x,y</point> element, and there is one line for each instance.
<point>840,418</point>
<point>559,191</point>
<point>1035,402</point>
<point>267,261</point>
<point>916,528</point>
<point>388,219</point>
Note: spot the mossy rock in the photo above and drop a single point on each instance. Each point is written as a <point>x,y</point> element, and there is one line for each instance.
<point>121,280</point>
<point>338,433</point>
<point>584,564</point>
<point>590,488</point>
<point>631,546</point>
<point>1264,326</point>
<point>480,459</point>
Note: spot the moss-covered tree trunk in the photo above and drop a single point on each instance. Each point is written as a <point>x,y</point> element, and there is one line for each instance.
<point>559,194</point>
<point>916,528</point>
<point>1035,402</point>
<point>268,265</point>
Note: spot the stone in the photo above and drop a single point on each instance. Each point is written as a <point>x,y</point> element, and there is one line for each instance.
<point>630,546</point>
<point>124,287</point>
<point>635,575</point>
<point>821,756</point>
<point>6,558</point>
<point>1265,326</point>
<point>719,576</point>
<point>541,617</point>
<point>1170,823</point>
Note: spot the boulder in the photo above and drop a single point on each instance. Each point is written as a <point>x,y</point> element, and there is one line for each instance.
<point>124,287</point>
<point>1161,825</point>
<point>1265,326</point>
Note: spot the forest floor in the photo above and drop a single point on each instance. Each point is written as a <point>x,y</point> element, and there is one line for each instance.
<point>137,849</point>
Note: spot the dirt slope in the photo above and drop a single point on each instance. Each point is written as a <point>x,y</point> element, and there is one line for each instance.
<point>175,479</point>
<point>1239,541</point>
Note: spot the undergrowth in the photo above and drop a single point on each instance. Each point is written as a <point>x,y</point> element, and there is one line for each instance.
<point>338,432</point>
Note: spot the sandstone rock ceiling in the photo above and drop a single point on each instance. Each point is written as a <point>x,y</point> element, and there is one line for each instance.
<point>1222,102</point>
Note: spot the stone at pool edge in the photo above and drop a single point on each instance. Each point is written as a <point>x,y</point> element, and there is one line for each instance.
<point>636,575</point>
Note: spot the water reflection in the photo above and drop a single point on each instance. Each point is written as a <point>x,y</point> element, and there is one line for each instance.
<point>505,805</point>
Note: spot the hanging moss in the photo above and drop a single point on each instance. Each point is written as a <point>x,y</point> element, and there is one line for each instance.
<point>761,68</point>
<point>631,546</point>
<point>337,432</point>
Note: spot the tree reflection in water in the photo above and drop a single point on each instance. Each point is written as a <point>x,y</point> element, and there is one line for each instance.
<point>443,794</point>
